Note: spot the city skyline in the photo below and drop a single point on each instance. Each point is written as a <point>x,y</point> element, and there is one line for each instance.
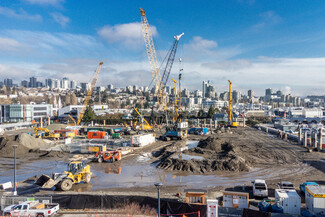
<point>255,44</point>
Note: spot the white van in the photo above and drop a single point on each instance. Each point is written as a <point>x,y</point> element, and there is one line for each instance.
<point>260,188</point>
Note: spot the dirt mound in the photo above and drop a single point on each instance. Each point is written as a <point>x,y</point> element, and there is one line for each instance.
<point>219,155</point>
<point>24,142</point>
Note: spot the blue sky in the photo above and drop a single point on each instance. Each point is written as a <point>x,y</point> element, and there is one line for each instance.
<point>256,44</point>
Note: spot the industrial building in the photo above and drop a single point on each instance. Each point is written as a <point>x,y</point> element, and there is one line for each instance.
<point>25,112</point>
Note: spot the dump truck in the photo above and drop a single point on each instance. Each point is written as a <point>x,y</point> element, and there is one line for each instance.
<point>77,172</point>
<point>109,156</point>
<point>31,208</point>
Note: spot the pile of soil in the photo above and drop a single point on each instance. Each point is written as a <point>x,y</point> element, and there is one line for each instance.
<point>26,143</point>
<point>219,155</point>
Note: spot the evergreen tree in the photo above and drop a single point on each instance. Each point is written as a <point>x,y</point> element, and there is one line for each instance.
<point>89,115</point>
<point>211,112</point>
<point>200,114</point>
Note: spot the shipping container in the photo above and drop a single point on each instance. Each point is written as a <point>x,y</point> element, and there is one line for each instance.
<point>235,199</point>
<point>315,199</point>
<point>96,148</point>
<point>96,135</point>
<point>142,140</point>
<point>289,200</point>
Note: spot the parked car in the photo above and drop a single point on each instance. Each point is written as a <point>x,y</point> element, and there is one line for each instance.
<point>286,185</point>
<point>260,188</point>
<point>303,186</point>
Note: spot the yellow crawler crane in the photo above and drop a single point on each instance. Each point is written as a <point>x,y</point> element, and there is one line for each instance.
<point>231,120</point>
<point>77,172</point>
<point>89,93</point>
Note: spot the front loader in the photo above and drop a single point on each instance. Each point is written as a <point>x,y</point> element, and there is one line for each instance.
<point>77,172</point>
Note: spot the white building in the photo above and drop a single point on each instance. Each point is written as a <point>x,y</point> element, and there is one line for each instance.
<point>65,83</point>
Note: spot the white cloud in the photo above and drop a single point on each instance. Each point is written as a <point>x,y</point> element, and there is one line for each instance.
<point>268,18</point>
<point>45,2</point>
<point>57,45</point>
<point>199,48</point>
<point>128,34</point>
<point>199,43</point>
<point>8,44</point>
<point>60,19</point>
<point>19,14</point>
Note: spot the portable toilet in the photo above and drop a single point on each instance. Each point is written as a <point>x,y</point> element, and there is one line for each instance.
<point>289,200</point>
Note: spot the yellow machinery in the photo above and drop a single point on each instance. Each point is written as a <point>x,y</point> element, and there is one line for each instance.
<point>48,134</point>
<point>231,120</point>
<point>77,172</point>
<point>176,107</point>
<point>82,112</point>
<point>74,121</point>
<point>146,126</point>
<point>151,52</point>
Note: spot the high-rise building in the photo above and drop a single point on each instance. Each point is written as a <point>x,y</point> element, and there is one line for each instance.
<point>110,87</point>
<point>204,88</point>
<point>39,84</point>
<point>85,86</point>
<point>49,83</point>
<point>32,82</point>
<point>65,83</point>
<point>236,95</point>
<point>250,94</point>
<point>197,93</point>
<point>8,82</point>
<point>268,92</point>
<point>24,83</point>
<point>56,83</point>
<point>73,84</point>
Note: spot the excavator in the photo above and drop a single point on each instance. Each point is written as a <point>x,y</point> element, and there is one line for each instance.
<point>145,126</point>
<point>77,172</point>
<point>48,134</point>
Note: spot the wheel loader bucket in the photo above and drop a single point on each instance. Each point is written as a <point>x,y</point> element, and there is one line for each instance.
<point>45,181</point>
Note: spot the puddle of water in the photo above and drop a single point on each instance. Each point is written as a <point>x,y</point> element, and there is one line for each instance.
<point>189,157</point>
<point>192,144</point>
<point>135,173</point>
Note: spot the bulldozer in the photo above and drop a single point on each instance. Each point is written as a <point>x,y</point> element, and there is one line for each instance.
<point>77,172</point>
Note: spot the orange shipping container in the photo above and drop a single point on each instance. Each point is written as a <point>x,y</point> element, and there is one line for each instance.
<point>96,135</point>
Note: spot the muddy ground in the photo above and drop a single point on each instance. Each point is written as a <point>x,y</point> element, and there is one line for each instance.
<point>228,160</point>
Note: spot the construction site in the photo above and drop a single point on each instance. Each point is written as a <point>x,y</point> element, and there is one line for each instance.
<point>197,158</point>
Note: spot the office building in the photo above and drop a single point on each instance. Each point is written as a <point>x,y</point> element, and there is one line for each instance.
<point>32,82</point>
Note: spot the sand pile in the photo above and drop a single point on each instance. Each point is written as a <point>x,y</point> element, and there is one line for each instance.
<point>219,155</point>
<point>25,143</point>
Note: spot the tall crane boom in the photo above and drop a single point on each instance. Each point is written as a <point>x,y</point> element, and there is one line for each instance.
<point>151,52</point>
<point>230,99</point>
<point>170,62</point>
<point>89,93</point>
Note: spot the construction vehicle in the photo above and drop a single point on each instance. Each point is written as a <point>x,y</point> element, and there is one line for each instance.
<point>47,134</point>
<point>109,156</point>
<point>77,172</point>
<point>143,126</point>
<point>31,208</point>
<point>82,112</point>
<point>231,120</point>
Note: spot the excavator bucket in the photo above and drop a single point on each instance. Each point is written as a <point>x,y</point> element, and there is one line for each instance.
<point>45,181</point>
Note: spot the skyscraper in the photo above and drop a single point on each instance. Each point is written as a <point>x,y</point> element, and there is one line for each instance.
<point>8,82</point>
<point>65,83</point>
<point>73,84</point>
<point>32,82</point>
<point>250,94</point>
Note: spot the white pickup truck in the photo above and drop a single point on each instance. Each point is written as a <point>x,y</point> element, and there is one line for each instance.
<point>32,209</point>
